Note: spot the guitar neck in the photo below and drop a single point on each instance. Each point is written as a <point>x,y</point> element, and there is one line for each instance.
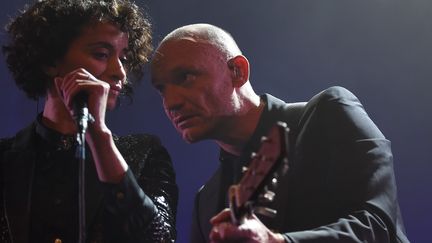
<point>271,154</point>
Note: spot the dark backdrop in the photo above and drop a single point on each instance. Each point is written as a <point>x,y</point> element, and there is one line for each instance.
<point>379,49</point>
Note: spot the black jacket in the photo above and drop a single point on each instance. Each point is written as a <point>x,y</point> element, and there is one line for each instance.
<point>340,186</point>
<point>141,208</point>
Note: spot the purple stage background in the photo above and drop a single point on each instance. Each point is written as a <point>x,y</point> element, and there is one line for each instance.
<point>379,49</point>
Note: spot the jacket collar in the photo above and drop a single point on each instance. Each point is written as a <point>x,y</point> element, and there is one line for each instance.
<point>270,115</point>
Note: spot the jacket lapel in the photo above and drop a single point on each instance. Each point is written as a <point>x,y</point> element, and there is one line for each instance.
<point>209,199</point>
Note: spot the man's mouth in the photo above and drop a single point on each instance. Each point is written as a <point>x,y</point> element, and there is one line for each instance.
<point>182,121</point>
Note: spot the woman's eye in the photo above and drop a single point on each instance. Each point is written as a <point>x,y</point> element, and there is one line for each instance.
<point>100,55</point>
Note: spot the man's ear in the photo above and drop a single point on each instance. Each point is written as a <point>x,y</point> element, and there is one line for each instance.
<point>239,67</point>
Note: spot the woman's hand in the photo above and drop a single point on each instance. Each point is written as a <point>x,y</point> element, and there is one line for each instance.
<point>110,165</point>
<point>80,80</point>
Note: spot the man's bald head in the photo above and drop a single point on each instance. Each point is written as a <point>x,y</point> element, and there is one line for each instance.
<point>209,34</point>
<point>203,80</point>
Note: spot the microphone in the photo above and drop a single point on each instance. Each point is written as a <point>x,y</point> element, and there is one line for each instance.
<point>80,112</point>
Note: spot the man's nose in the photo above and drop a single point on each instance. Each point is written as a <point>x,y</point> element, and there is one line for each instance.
<point>172,98</point>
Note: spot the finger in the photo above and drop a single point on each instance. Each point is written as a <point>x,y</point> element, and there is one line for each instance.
<point>69,80</point>
<point>227,232</point>
<point>79,71</point>
<point>224,215</point>
<point>217,233</point>
<point>58,83</point>
<point>76,81</point>
<point>73,90</point>
<point>214,235</point>
<point>85,73</point>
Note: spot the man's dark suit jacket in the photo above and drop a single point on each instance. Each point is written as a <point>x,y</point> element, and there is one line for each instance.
<point>340,186</point>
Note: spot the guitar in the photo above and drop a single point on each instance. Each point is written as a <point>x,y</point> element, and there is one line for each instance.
<point>270,162</point>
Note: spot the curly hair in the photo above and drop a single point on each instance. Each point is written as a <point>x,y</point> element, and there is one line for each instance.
<point>42,33</point>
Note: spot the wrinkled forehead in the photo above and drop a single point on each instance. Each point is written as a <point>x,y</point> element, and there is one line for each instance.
<point>183,50</point>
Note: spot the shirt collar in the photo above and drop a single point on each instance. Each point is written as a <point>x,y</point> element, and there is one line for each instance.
<point>52,137</point>
<point>267,119</point>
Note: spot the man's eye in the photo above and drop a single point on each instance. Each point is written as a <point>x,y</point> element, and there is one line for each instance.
<point>190,77</point>
<point>187,77</point>
<point>123,60</point>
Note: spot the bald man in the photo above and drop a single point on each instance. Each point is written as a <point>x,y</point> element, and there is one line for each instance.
<point>340,186</point>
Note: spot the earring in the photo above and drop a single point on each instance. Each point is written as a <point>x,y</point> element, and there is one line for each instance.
<point>236,73</point>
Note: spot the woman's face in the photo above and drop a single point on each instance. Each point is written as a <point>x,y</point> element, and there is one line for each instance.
<point>101,50</point>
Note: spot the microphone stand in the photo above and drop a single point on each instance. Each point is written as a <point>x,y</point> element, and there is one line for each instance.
<point>80,155</point>
<point>82,117</point>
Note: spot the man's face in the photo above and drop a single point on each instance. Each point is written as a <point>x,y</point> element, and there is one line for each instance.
<point>195,85</point>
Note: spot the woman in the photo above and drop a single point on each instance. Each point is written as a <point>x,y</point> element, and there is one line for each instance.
<point>58,49</point>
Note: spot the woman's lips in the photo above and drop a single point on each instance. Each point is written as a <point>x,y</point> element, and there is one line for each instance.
<point>115,90</point>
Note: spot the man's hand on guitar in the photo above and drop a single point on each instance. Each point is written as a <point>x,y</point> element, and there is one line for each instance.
<point>251,230</point>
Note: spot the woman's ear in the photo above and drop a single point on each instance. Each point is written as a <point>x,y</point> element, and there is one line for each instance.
<point>239,67</point>
<point>51,70</point>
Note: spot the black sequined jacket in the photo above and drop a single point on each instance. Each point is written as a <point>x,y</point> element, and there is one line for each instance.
<point>141,208</point>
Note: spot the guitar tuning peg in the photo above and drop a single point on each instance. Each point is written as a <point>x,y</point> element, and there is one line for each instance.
<point>282,124</point>
<point>284,167</point>
<point>258,156</point>
<point>267,196</point>
<point>244,169</point>
<point>274,182</point>
<point>265,139</point>
<point>265,211</point>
